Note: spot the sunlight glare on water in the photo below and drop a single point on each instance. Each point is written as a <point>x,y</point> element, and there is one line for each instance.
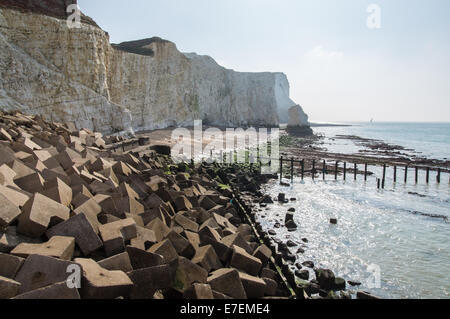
<point>382,228</point>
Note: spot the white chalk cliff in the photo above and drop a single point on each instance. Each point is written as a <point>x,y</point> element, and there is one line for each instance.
<point>77,75</point>
<point>297,117</point>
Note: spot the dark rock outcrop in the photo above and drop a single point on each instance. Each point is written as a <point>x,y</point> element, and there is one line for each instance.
<point>52,8</point>
<point>140,47</point>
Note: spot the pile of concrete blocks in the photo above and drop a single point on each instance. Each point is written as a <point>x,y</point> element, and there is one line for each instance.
<point>79,221</point>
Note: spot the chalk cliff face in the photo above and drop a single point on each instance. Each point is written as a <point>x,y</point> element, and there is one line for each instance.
<point>76,75</point>
<point>61,73</point>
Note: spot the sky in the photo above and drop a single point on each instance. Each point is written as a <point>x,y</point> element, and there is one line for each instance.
<point>338,68</point>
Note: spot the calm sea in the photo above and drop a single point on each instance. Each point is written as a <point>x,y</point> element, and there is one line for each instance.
<point>395,241</point>
<point>427,139</point>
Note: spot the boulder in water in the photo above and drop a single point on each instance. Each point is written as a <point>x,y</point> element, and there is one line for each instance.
<point>326,278</point>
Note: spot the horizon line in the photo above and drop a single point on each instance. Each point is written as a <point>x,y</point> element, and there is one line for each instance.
<point>374,122</point>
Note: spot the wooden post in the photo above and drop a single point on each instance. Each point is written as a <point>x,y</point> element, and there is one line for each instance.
<point>365,172</point>
<point>356,170</point>
<point>417,175</point>
<point>345,171</point>
<point>378,183</point>
<point>395,174</point>
<point>428,175</point>
<point>313,170</point>
<point>406,174</point>
<point>336,170</point>
<point>324,171</point>
<point>384,176</point>
<point>281,168</point>
<point>292,169</point>
<point>303,169</point>
<point>438,177</point>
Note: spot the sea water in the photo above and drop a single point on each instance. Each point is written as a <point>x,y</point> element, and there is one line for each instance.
<point>395,241</point>
<point>431,140</point>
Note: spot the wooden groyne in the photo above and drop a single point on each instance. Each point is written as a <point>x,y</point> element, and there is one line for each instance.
<point>290,167</point>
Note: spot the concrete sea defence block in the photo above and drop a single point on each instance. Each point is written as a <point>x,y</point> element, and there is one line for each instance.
<point>228,282</point>
<point>58,247</point>
<point>81,229</point>
<point>10,265</point>
<point>40,271</point>
<point>9,211</point>
<point>115,234</point>
<point>100,283</point>
<point>117,262</point>
<point>245,262</point>
<point>57,291</point>
<point>163,235</point>
<point>38,213</point>
<point>8,288</point>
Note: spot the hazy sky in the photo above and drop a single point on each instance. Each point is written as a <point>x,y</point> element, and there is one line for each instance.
<point>338,68</point>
